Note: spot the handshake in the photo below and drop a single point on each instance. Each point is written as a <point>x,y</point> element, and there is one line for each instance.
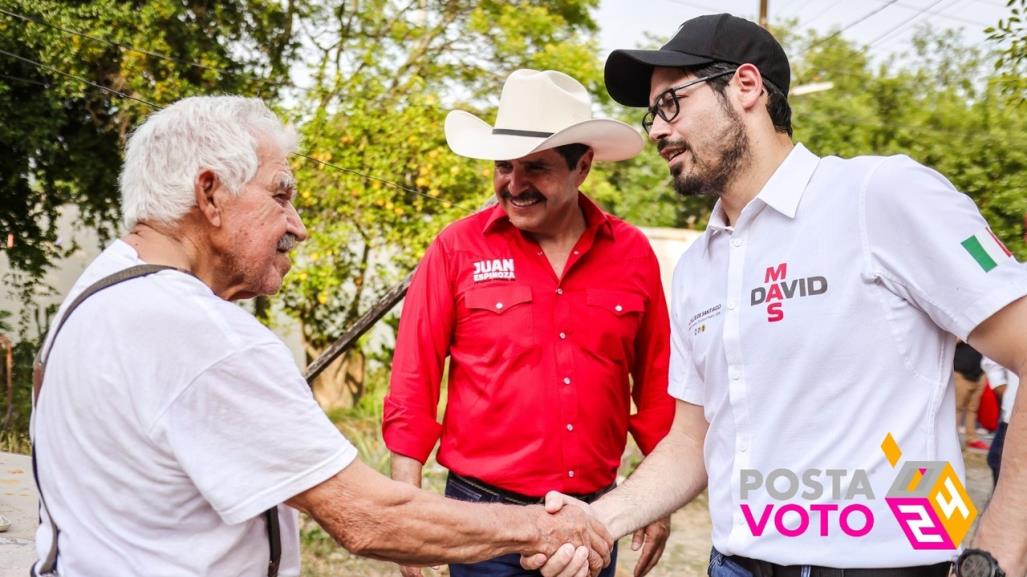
<point>573,542</point>
<point>570,538</point>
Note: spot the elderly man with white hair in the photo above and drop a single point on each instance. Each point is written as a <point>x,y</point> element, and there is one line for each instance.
<point>171,425</point>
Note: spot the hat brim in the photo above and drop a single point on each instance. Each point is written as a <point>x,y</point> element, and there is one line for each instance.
<point>470,136</point>
<point>628,73</point>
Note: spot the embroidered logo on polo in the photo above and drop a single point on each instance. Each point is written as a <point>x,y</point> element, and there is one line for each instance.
<point>697,324</point>
<point>494,269</point>
<point>778,289</point>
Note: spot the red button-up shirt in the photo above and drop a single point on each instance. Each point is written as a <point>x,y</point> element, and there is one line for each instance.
<point>542,369</point>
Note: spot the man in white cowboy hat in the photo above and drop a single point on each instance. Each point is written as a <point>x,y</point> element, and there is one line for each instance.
<point>551,313</point>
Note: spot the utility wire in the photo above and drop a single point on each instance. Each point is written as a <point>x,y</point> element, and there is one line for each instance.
<point>159,107</point>
<point>25,80</point>
<point>369,177</point>
<point>838,32</point>
<point>80,79</point>
<point>822,12</point>
<point>710,9</point>
<point>941,14</point>
<point>126,47</point>
<point>905,22</point>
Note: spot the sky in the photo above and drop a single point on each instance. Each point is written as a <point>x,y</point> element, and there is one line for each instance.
<point>624,23</point>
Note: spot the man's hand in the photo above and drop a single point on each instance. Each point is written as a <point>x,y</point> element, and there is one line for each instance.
<point>562,563</point>
<point>651,540</point>
<point>408,571</point>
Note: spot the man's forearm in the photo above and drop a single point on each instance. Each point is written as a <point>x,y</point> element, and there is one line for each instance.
<point>406,469</point>
<point>373,516</point>
<point>671,476</point>
<point>1003,528</point>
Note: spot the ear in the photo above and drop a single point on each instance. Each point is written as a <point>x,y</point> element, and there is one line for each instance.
<point>584,166</point>
<point>749,83</point>
<point>204,187</point>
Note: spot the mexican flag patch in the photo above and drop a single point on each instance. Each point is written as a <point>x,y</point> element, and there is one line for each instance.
<point>986,249</point>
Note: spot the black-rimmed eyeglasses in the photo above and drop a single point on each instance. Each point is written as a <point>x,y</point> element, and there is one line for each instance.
<point>667,106</point>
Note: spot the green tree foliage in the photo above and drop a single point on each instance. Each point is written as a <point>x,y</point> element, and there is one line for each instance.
<point>378,78</point>
<point>387,73</point>
<point>62,138</point>
<point>1011,33</point>
<point>938,104</point>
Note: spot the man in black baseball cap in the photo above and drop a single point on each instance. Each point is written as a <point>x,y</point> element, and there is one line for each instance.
<point>700,41</point>
<point>810,335</point>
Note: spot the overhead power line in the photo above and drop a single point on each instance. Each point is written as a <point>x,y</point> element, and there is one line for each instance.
<point>822,12</point>
<point>25,80</point>
<point>127,47</point>
<point>905,22</point>
<point>79,78</point>
<point>154,106</point>
<point>941,14</point>
<point>838,32</point>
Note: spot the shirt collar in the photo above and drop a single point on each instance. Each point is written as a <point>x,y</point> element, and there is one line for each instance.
<point>782,192</point>
<point>596,221</point>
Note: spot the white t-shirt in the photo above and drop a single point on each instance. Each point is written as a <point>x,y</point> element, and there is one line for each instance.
<point>999,375</point>
<point>811,329</point>
<point>169,421</point>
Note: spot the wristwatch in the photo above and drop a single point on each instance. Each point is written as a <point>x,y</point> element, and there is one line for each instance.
<point>977,563</point>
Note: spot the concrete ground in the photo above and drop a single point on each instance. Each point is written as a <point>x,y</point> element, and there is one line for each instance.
<point>18,505</point>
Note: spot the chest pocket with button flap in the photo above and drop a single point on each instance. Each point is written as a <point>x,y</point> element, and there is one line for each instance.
<point>616,318</point>
<point>498,315</point>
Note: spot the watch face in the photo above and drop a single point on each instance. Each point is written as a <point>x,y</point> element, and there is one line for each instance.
<point>975,565</point>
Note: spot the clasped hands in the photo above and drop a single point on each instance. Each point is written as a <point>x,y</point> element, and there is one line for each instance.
<point>586,554</point>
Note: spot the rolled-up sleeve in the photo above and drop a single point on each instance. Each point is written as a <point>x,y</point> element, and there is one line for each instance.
<point>409,423</point>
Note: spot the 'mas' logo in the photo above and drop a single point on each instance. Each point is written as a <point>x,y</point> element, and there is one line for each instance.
<point>779,289</point>
<point>929,501</point>
<point>495,269</point>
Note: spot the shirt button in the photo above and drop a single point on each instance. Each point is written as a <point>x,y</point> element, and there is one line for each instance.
<point>563,335</point>
<point>570,473</point>
<point>499,306</point>
<point>735,374</point>
<point>570,427</point>
<point>566,380</point>
<point>618,308</point>
<point>559,291</point>
<point>731,306</point>
<point>737,242</point>
<point>540,253</point>
<point>577,252</point>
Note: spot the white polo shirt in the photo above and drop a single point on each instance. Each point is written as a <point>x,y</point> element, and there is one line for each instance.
<point>811,329</point>
<point>999,375</point>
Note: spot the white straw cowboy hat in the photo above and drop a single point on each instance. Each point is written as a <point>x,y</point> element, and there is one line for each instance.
<point>539,110</point>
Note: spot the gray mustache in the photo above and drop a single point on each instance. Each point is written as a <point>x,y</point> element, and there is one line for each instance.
<point>287,242</point>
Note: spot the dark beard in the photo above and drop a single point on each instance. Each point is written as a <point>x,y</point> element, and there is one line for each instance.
<point>707,179</point>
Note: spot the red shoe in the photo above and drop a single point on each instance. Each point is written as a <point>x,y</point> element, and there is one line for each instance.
<point>978,444</point>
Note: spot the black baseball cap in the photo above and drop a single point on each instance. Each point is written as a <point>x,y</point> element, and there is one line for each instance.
<point>699,41</point>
